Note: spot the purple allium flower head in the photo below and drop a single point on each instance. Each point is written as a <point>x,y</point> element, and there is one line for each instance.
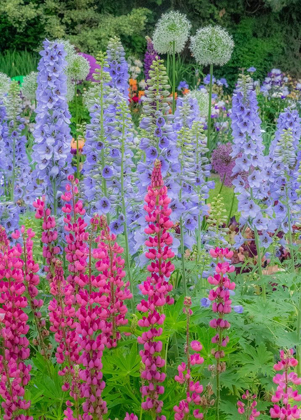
<point>150,56</point>
<point>93,66</point>
<point>223,163</point>
<point>118,66</point>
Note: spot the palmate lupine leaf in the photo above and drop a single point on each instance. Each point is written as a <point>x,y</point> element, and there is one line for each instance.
<point>254,361</point>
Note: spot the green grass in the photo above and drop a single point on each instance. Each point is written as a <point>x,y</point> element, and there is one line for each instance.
<point>18,63</point>
<point>226,193</point>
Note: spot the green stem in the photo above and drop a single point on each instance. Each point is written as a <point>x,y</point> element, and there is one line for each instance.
<point>222,184</point>
<point>209,111</point>
<point>218,385</point>
<point>182,256</point>
<point>299,337</point>
<point>76,134</point>
<point>173,77</point>
<point>166,351</point>
<point>290,235</point>
<point>231,208</point>
<point>127,252</point>
<point>259,261</point>
<point>54,198</point>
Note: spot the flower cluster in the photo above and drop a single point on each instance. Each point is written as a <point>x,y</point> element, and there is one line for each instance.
<point>223,163</point>
<point>157,288</point>
<point>212,45</point>
<point>247,150</point>
<point>117,66</point>
<point>171,33</point>
<point>285,392</point>
<point>14,373</point>
<point>52,132</point>
<point>184,377</point>
<point>249,411</point>
<point>158,137</point>
<point>112,287</point>
<point>31,281</point>
<point>108,158</point>
<point>150,56</point>
<point>220,296</point>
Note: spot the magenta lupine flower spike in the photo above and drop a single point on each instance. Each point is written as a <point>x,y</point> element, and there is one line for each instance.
<point>220,296</point>
<point>113,290</point>
<point>14,373</point>
<point>49,236</point>
<point>77,249</point>
<point>184,377</point>
<point>248,408</point>
<point>157,289</point>
<point>285,393</point>
<point>31,281</point>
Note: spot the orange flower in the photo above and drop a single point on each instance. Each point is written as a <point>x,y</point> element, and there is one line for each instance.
<point>185,91</point>
<point>140,93</point>
<point>81,143</point>
<point>133,82</point>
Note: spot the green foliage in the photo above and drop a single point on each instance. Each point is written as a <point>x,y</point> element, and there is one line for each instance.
<point>18,63</point>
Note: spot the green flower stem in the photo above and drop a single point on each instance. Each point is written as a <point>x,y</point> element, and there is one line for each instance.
<point>182,227</point>
<point>209,110</point>
<point>76,134</point>
<point>290,235</point>
<point>127,252</point>
<point>299,337</point>
<point>182,257</point>
<point>173,77</point>
<point>231,208</point>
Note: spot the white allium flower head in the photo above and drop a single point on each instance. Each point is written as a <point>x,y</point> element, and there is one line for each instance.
<point>79,68</point>
<point>173,27</point>
<point>212,45</point>
<point>4,84</point>
<point>29,86</point>
<point>202,96</point>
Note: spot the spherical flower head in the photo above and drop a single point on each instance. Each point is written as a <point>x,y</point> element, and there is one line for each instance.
<point>29,86</point>
<point>172,29</point>
<point>79,68</point>
<point>212,45</point>
<point>4,84</point>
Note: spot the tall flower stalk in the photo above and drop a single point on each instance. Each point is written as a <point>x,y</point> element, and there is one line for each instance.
<point>157,288</point>
<point>184,377</point>
<point>170,36</point>
<point>285,393</point>
<point>117,66</point>
<point>14,348</point>
<point>211,45</point>
<point>51,151</point>
<point>220,296</point>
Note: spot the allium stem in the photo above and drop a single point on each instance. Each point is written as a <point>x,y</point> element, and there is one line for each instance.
<point>174,78</point>
<point>209,110</point>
